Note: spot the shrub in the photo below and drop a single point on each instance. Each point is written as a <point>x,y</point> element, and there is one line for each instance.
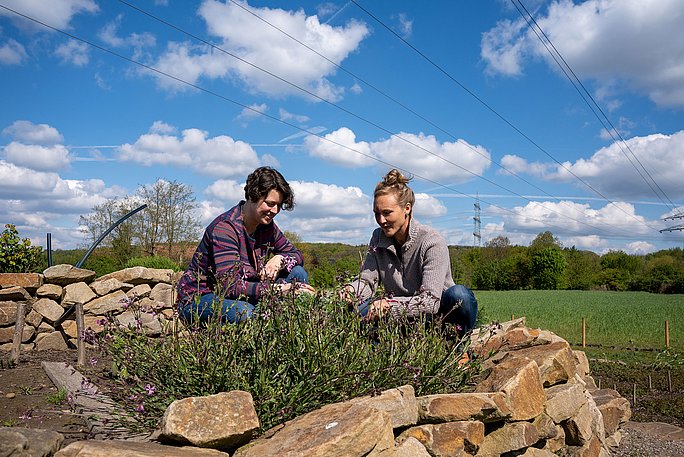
<point>17,255</point>
<point>153,262</point>
<point>295,355</point>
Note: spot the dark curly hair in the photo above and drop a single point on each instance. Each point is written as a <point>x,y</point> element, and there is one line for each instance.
<point>263,180</point>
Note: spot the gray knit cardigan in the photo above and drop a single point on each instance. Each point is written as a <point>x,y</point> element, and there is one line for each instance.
<point>413,276</point>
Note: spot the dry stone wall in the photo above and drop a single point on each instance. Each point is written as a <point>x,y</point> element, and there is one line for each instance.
<point>47,296</point>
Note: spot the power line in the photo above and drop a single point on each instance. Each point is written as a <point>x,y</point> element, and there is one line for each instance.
<point>357,116</point>
<point>489,107</point>
<point>220,96</point>
<point>575,81</point>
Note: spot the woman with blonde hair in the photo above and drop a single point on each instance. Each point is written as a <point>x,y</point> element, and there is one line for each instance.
<point>411,262</point>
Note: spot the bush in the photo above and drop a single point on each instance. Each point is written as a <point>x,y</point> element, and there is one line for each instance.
<point>17,255</point>
<point>153,262</point>
<point>295,355</point>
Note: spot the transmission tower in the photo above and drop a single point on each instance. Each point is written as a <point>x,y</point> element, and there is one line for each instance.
<point>477,240</point>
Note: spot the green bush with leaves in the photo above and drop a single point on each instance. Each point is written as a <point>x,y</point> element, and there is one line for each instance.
<point>294,355</point>
<point>16,254</point>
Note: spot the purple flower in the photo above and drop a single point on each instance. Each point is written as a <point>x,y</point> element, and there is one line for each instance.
<point>140,408</point>
<point>102,322</point>
<point>150,389</point>
<point>93,361</point>
<point>289,263</point>
<point>372,249</point>
<point>27,415</point>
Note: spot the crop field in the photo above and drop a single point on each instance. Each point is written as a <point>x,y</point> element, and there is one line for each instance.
<point>629,320</point>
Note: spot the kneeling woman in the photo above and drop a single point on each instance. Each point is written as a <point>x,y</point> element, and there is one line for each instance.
<point>411,262</point>
<point>240,252</point>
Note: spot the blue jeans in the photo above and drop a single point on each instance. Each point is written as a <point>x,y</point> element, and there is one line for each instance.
<point>457,306</point>
<point>232,310</point>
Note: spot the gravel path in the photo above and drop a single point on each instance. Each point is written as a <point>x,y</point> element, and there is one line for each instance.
<point>638,441</point>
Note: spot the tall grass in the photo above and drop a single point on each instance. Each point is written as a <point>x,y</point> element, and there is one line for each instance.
<point>620,319</point>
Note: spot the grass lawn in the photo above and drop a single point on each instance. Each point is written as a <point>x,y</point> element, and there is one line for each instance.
<point>613,319</point>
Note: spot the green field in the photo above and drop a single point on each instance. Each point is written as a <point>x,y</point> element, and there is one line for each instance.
<point>613,319</point>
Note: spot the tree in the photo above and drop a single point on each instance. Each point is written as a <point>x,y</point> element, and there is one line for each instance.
<point>169,217</point>
<point>17,255</point>
<point>548,266</point>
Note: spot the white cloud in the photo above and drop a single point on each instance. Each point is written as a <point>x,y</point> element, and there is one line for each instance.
<point>420,154</point>
<point>58,14</point>
<point>613,169</point>
<point>340,148</point>
<point>138,41</point>
<point>405,25</point>
<point>285,115</point>
<point>244,35</point>
<point>36,157</point>
<point>629,42</point>
<point>162,128</point>
<point>28,132</point>
<point>639,248</point>
<point>74,52</point>
<point>573,219</point>
<point>217,156</point>
<point>226,190</point>
<point>317,199</point>
<point>428,207</point>
<point>12,53</point>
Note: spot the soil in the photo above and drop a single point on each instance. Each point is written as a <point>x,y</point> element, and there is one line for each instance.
<point>25,390</point>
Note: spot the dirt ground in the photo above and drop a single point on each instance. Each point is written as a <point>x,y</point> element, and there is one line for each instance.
<point>26,388</point>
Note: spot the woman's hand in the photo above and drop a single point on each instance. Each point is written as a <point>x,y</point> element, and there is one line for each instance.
<point>377,309</point>
<point>347,294</point>
<point>272,268</point>
<point>299,288</point>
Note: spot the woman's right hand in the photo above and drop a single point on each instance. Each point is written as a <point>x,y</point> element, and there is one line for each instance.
<point>347,294</point>
<point>300,288</point>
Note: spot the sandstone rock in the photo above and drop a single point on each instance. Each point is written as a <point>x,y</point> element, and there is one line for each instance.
<point>51,291</point>
<point>615,409</point>
<point>546,428</point>
<point>581,362</point>
<point>69,326</point>
<point>94,448</point>
<point>140,291</point>
<point>613,441</point>
<point>67,274</point>
<point>519,379</point>
<point>23,348</point>
<point>49,309</point>
<point>511,437</point>
<point>110,303</point>
<point>78,292</point>
<point>14,293</point>
<point>7,334</point>
<point>336,430</point>
<point>140,275</point>
<point>411,447</point>
<point>556,361</point>
<point>399,403</point>
<point>163,293</point>
<point>50,341</point>
<point>222,421</point>
<point>148,322</point>
<point>564,401</point>
<point>34,318</point>
<point>8,313</point>
<point>591,448</point>
<point>448,439</point>
<point>556,443</point>
<point>106,286</point>
<point>534,452</point>
<point>485,407</point>
<point>44,327</point>
<point>20,441</point>
<point>29,281</point>
<point>578,428</point>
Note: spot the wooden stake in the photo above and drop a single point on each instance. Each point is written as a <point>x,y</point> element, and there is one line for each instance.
<point>584,332</point>
<point>512,316</point>
<point>650,383</point>
<point>80,344</point>
<point>18,332</point>
<point>667,335</point>
<point>599,385</point>
<point>634,394</point>
<point>669,380</point>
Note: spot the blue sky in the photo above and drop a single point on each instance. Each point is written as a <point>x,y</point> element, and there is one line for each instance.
<point>462,95</point>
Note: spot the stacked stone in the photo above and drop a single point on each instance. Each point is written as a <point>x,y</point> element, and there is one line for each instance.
<point>48,295</point>
<point>536,398</point>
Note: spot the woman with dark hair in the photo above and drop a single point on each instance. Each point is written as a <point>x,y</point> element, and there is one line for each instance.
<point>411,262</point>
<point>241,251</point>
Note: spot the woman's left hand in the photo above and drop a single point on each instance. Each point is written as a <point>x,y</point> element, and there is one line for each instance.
<point>378,309</point>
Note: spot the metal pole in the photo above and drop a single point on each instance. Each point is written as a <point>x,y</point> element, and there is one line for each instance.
<point>49,249</point>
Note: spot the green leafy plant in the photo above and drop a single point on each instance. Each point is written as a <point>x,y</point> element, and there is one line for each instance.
<point>58,397</point>
<point>296,354</point>
<point>26,390</point>
<point>154,262</point>
<point>16,254</point>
